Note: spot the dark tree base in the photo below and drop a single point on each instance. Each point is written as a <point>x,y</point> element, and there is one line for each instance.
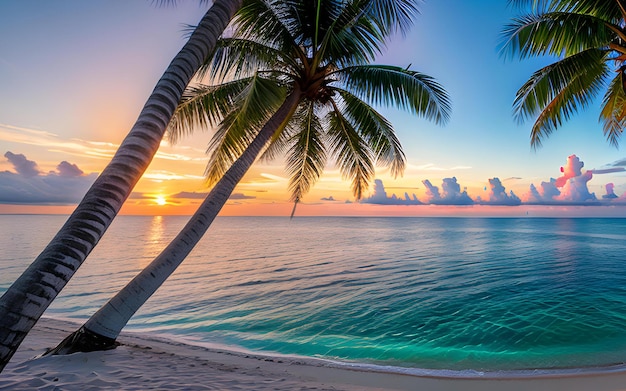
<point>83,340</point>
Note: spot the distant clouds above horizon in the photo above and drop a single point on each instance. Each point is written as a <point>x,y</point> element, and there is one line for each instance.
<point>29,185</point>
<point>568,189</point>
<point>67,184</point>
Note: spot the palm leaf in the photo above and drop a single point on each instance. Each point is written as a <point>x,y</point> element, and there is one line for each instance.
<point>306,158</point>
<point>314,18</point>
<point>282,140</point>
<point>350,151</point>
<point>398,87</point>
<point>556,33</point>
<point>613,113</point>
<point>266,21</point>
<point>236,57</point>
<point>611,11</point>
<point>203,107</point>
<point>251,110</point>
<point>359,32</point>
<point>393,15</point>
<point>376,130</point>
<point>558,90</point>
<point>353,37</point>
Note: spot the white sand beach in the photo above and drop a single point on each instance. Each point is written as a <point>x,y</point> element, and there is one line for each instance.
<point>145,362</point>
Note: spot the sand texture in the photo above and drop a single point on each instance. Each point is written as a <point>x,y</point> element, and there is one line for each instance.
<point>146,362</point>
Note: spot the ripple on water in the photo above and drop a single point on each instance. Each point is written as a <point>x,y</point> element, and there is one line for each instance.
<point>463,294</point>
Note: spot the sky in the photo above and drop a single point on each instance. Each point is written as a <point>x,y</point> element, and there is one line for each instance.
<point>74,75</point>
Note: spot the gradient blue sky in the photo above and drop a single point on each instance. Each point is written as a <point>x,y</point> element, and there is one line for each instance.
<point>74,75</point>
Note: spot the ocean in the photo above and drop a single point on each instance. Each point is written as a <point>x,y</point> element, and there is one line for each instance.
<point>461,294</point>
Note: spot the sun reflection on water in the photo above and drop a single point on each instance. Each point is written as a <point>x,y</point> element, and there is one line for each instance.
<point>156,239</point>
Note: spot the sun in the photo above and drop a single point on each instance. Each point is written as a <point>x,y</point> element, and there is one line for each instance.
<point>160,200</point>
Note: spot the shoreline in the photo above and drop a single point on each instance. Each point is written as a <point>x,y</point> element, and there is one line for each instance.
<point>463,374</point>
<point>153,361</point>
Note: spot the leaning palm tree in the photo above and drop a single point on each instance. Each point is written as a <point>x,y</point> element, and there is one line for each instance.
<point>308,63</point>
<point>588,38</point>
<point>28,297</point>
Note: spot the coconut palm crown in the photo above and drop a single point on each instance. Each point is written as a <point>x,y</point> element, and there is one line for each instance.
<point>588,39</point>
<point>324,48</point>
<point>297,72</point>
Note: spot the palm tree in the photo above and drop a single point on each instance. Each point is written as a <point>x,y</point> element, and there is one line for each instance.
<point>315,54</point>
<point>29,296</point>
<point>588,38</point>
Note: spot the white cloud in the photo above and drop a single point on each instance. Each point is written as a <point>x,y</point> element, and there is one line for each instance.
<point>380,197</point>
<point>162,175</point>
<point>568,189</point>
<point>451,193</point>
<point>497,195</point>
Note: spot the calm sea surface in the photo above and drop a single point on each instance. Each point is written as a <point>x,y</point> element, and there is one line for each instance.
<point>437,293</point>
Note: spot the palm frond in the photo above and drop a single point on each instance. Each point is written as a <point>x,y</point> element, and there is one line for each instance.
<point>613,114</point>
<point>254,106</point>
<point>203,107</point>
<point>549,82</point>
<point>266,21</point>
<point>558,90</point>
<point>314,18</point>
<point>236,58</point>
<point>555,33</point>
<point>394,86</point>
<point>393,15</point>
<point>351,152</point>
<point>354,39</point>
<point>281,141</point>
<point>361,29</point>
<point>306,158</point>
<point>376,130</point>
<point>611,11</point>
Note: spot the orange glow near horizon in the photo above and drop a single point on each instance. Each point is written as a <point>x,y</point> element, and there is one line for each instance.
<point>343,209</point>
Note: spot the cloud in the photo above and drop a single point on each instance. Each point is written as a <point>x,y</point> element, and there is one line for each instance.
<point>619,163</point>
<point>568,189</point>
<point>240,196</point>
<point>200,196</point>
<point>23,166</point>
<point>451,193</point>
<point>571,169</point>
<point>608,170</point>
<point>69,170</point>
<point>545,194</point>
<point>575,189</point>
<point>162,175</point>
<point>497,194</point>
<point>86,148</point>
<point>189,195</point>
<point>380,197</point>
<point>139,196</point>
<point>27,185</point>
<point>610,192</point>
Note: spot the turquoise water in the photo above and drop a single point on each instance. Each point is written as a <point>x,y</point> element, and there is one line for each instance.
<point>436,293</point>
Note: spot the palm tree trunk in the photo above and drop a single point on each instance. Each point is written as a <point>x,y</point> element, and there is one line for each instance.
<point>101,330</point>
<point>29,296</point>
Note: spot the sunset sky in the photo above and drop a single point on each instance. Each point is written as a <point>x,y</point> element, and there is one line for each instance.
<point>75,74</point>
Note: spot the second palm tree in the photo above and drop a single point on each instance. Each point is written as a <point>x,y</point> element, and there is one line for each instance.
<point>308,63</point>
